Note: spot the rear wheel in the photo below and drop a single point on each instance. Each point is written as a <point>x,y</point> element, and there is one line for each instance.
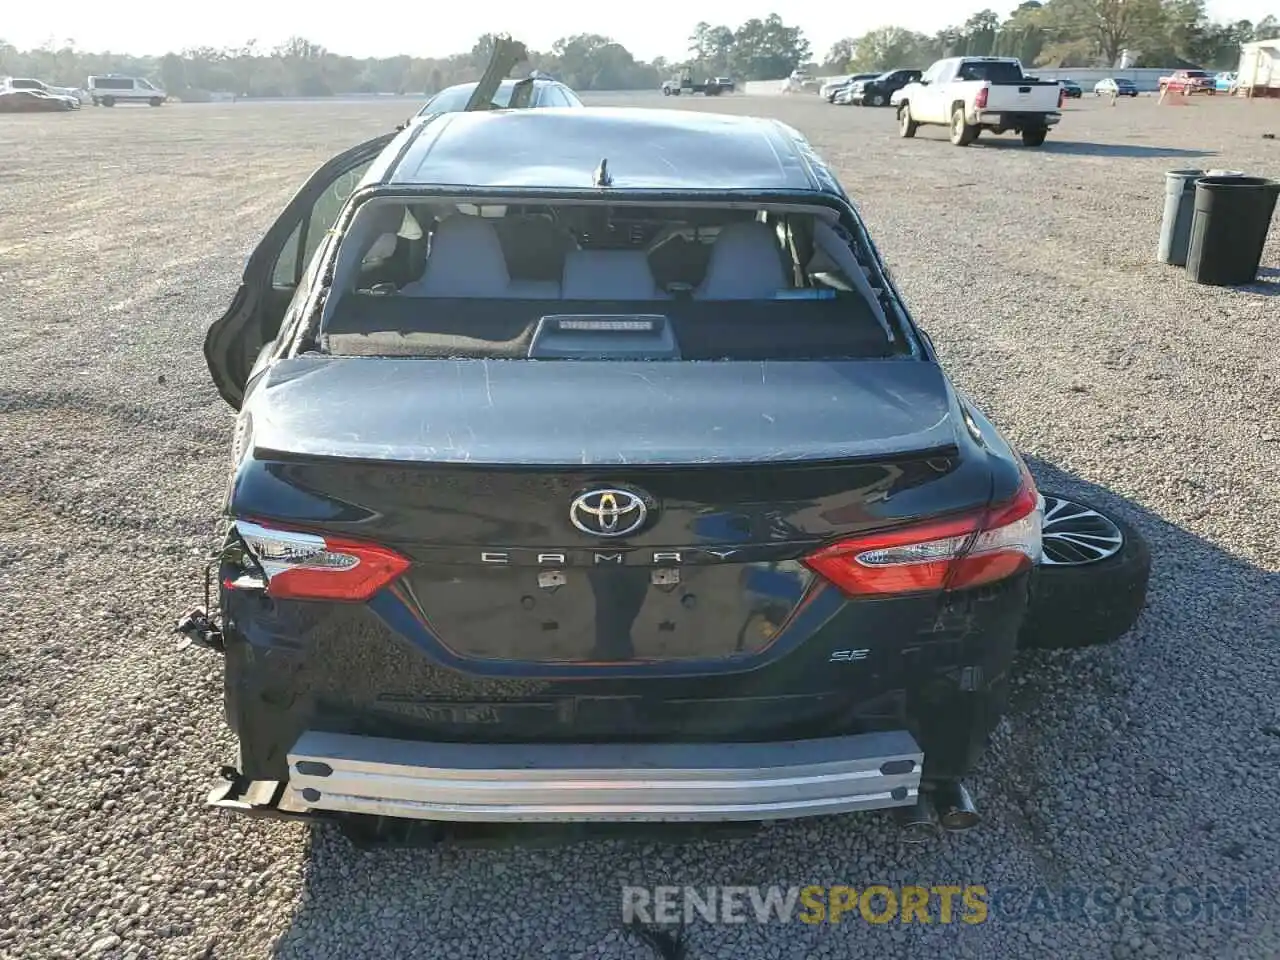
<point>906,126</point>
<point>1034,138</point>
<point>1092,581</point>
<point>108,101</point>
<point>876,100</point>
<point>962,132</point>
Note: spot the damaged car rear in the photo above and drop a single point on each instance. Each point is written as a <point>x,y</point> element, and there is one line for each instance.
<point>609,479</point>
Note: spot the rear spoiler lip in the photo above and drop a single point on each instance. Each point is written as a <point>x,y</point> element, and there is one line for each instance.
<point>277,455</point>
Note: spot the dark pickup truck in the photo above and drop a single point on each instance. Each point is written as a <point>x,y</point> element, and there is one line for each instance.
<point>711,88</point>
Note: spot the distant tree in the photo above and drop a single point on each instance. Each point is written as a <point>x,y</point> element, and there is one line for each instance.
<point>1108,26</point>
<point>712,50</point>
<point>768,49</point>
<point>1268,28</point>
<point>840,54</point>
<point>890,47</point>
<point>589,61</point>
<point>1022,35</point>
<point>980,33</point>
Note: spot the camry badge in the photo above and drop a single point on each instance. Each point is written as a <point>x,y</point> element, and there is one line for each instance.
<point>608,512</point>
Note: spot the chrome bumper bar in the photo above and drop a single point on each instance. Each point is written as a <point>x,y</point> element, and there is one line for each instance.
<point>602,782</point>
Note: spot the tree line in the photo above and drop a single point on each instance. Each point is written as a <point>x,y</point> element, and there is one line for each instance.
<point>758,49</point>
<point>1067,33</point>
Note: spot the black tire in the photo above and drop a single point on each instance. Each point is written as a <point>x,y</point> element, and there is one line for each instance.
<point>108,101</point>
<point>1084,604</point>
<point>906,126</point>
<point>155,101</point>
<point>1033,138</point>
<point>962,133</point>
<point>876,100</point>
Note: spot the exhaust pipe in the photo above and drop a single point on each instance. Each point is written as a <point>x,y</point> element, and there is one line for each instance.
<point>956,811</point>
<point>917,822</point>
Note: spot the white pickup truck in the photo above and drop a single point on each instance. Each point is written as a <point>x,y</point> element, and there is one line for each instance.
<point>973,94</point>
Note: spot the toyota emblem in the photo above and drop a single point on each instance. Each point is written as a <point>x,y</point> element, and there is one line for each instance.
<point>608,512</point>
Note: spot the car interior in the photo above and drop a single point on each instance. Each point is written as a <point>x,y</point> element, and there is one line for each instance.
<point>464,280</point>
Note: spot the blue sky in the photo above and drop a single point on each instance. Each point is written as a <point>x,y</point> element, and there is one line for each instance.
<point>648,29</point>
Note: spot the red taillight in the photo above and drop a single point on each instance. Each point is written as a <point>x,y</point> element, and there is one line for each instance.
<point>952,554</point>
<point>980,101</point>
<point>308,566</point>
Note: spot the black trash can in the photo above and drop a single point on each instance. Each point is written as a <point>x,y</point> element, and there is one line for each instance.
<point>1179,207</point>
<point>1229,229</point>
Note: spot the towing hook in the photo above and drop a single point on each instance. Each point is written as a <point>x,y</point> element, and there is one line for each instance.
<point>199,629</point>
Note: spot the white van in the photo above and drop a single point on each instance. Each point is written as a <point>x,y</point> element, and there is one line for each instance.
<point>112,89</point>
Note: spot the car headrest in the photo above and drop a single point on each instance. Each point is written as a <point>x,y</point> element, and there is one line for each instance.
<point>465,260</point>
<point>745,264</point>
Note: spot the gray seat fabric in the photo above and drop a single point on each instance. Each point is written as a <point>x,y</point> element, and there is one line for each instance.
<point>609,275</point>
<point>466,261</point>
<point>746,264</point>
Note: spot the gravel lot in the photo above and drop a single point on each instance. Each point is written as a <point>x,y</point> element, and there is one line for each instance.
<point>122,234</point>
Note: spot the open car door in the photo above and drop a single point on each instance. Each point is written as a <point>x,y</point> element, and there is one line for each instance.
<point>506,54</point>
<point>275,269</point>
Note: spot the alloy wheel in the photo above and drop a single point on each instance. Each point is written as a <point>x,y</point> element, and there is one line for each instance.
<point>1075,535</point>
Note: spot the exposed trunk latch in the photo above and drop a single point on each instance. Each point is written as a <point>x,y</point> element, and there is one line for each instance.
<point>665,577</point>
<point>551,580</point>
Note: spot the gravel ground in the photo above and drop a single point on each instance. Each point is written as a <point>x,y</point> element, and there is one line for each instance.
<point>1153,763</point>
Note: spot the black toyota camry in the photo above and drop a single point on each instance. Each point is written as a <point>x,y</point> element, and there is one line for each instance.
<point>588,465</point>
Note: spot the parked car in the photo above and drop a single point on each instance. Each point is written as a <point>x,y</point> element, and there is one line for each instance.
<point>832,84</point>
<point>1226,82</point>
<point>30,83</point>
<point>725,84</point>
<point>1115,87</point>
<point>1071,90</point>
<point>877,91</point>
<point>976,94</point>
<point>35,101</point>
<point>534,91</point>
<point>112,89</point>
<point>1187,81</point>
<point>839,93</point>
<point>610,503</point>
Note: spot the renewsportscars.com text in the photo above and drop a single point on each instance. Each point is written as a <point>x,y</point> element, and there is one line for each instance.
<point>933,904</point>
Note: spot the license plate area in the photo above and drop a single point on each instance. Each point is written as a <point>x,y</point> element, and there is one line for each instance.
<point>609,614</point>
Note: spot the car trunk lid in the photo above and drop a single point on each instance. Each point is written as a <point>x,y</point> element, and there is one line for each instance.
<point>513,486</point>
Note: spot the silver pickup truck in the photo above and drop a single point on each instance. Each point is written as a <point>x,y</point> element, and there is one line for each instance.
<point>973,94</point>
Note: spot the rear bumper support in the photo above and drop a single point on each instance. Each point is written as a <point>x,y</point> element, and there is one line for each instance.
<point>340,773</point>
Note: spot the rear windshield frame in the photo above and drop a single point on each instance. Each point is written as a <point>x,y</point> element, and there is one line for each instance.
<point>304,334</point>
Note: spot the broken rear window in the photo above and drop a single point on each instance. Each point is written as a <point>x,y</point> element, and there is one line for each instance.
<point>595,281</point>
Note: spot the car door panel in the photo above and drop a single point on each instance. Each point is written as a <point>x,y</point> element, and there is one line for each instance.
<point>934,93</point>
<point>274,273</point>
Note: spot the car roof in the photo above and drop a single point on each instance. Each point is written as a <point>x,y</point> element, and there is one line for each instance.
<point>560,148</point>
